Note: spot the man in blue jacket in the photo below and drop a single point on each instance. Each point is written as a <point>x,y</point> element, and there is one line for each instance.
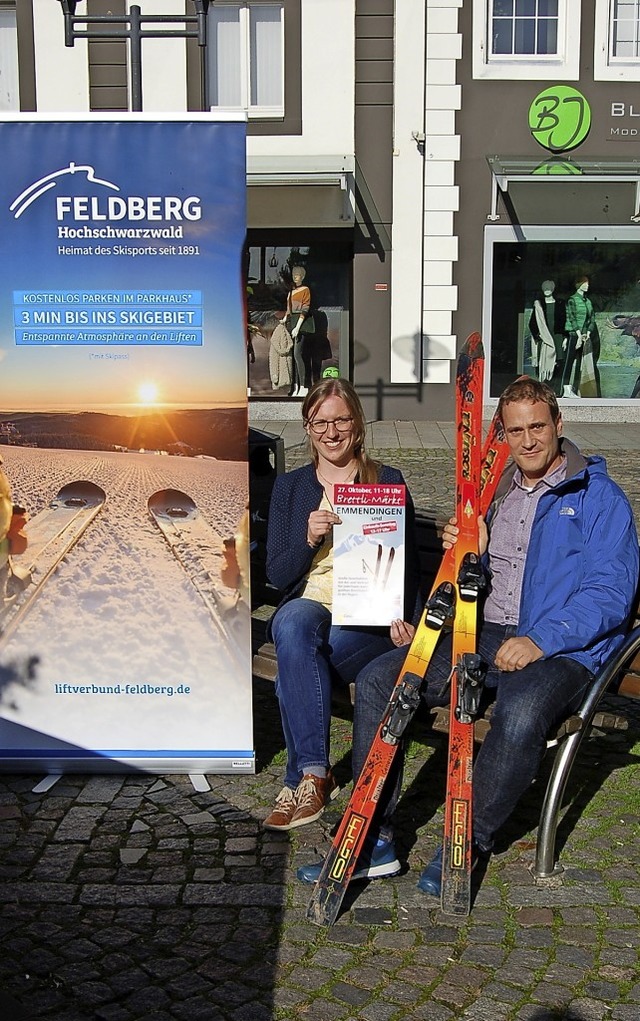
<point>561,554</point>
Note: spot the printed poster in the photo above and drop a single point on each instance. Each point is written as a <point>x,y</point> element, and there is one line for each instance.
<point>125,625</point>
<point>368,554</point>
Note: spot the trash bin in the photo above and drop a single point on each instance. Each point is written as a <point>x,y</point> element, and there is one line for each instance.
<point>266,462</point>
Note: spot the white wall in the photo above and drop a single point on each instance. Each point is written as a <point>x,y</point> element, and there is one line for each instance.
<point>425,248</point>
<point>408,183</point>
<point>164,64</point>
<point>328,98</point>
<point>61,74</point>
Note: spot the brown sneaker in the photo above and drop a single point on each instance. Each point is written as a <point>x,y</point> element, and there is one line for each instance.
<point>285,806</point>
<point>312,794</point>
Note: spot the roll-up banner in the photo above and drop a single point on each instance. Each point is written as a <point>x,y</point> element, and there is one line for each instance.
<point>125,623</point>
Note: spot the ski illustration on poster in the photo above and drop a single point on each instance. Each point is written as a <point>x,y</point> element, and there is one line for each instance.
<point>123,375</point>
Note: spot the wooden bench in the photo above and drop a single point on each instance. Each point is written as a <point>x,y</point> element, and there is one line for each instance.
<point>620,678</point>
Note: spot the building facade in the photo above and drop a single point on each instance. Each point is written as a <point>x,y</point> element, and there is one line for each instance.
<point>429,164</point>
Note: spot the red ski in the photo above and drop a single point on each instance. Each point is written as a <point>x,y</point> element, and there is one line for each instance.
<point>339,865</point>
<point>467,673</point>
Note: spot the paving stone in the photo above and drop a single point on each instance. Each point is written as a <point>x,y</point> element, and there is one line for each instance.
<point>431,1011</point>
<point>252,1012</point>
<point>78,824</point>
<point>379,1011</point>
<point>348,934</point>
<point>552,994</point>
<point>323,1010</point>
<point>625,1012</point>
<point>333,957</point>
<point>395,940</point>
<point>579,957</point>
<point>349,994</point>
<point>489,956</point>
<point>587,1010</point>
<point>452,995</point>
<point>534,916</point>
<point>608,991</point>
<point>309,978</point>
<point>364,976</point>
<point>486,1009</point>
<point>197,1009</point>
<point>131,855</point>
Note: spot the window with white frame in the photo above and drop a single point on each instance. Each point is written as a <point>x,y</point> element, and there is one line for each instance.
<point>526,39</point>
<point>617,40</point>
<point>246,57</point>
<point>9,92</point>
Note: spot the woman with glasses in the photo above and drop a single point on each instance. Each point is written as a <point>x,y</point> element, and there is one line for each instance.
<point>310,651</point>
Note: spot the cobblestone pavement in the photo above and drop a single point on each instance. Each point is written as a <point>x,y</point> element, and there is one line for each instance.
<point>138,898</point>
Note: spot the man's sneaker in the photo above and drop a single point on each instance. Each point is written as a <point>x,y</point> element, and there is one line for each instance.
<point>431,878</point>
<point>285,806</point>
<point>312,794</point>
<point>377,861</point>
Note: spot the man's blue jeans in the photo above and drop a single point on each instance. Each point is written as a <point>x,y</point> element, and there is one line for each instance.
<point>311,654</point>
<point>528,703</point>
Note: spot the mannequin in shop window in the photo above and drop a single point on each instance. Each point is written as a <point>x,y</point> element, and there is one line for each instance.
<point>300,324</point>
<point>579,324</point>
<point>547,330</point>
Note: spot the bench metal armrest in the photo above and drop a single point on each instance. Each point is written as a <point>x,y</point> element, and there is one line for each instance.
<point>545,864</point>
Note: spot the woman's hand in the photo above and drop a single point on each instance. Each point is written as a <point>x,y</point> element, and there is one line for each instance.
<point>451,531</point>
<point>320,524</point>
<point>401,633</point>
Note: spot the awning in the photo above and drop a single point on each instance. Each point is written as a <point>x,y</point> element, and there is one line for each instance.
<point>565,190</point>
<point>299,191</point>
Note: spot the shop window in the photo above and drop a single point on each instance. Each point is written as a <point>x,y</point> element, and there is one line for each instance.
<point>617,40</point>
<point>246,58</point>
<point>526,39</point>
<point>9,87</point>
<point>564,306</point>
<point>281,274</point>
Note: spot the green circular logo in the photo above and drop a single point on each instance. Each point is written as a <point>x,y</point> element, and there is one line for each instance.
<point>559,118</point>
<point>331,372</point>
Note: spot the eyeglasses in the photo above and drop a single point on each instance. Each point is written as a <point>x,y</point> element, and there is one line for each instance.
<point>320,425</point>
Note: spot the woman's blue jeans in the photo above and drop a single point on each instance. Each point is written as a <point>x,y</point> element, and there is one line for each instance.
<point>311,654</point>
<point>528,703</point>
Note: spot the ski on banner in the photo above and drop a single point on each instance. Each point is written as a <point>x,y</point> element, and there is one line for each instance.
<point>467,671</point>
<point>340,862</point>
<point>51,535</point>
<point>199,550</point>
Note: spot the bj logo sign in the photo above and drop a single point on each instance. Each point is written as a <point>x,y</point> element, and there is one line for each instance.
<point>559,118</point>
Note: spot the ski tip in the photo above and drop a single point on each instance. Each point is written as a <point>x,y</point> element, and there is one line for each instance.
<point>318,911</point>
<point>473,346</point>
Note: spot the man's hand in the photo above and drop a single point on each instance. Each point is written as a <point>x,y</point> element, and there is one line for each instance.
<point>401,633</point>
<point>516,653</point>
<point>451,531</point>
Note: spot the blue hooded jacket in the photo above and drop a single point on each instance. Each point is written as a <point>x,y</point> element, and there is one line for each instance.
<point>581,572</point>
